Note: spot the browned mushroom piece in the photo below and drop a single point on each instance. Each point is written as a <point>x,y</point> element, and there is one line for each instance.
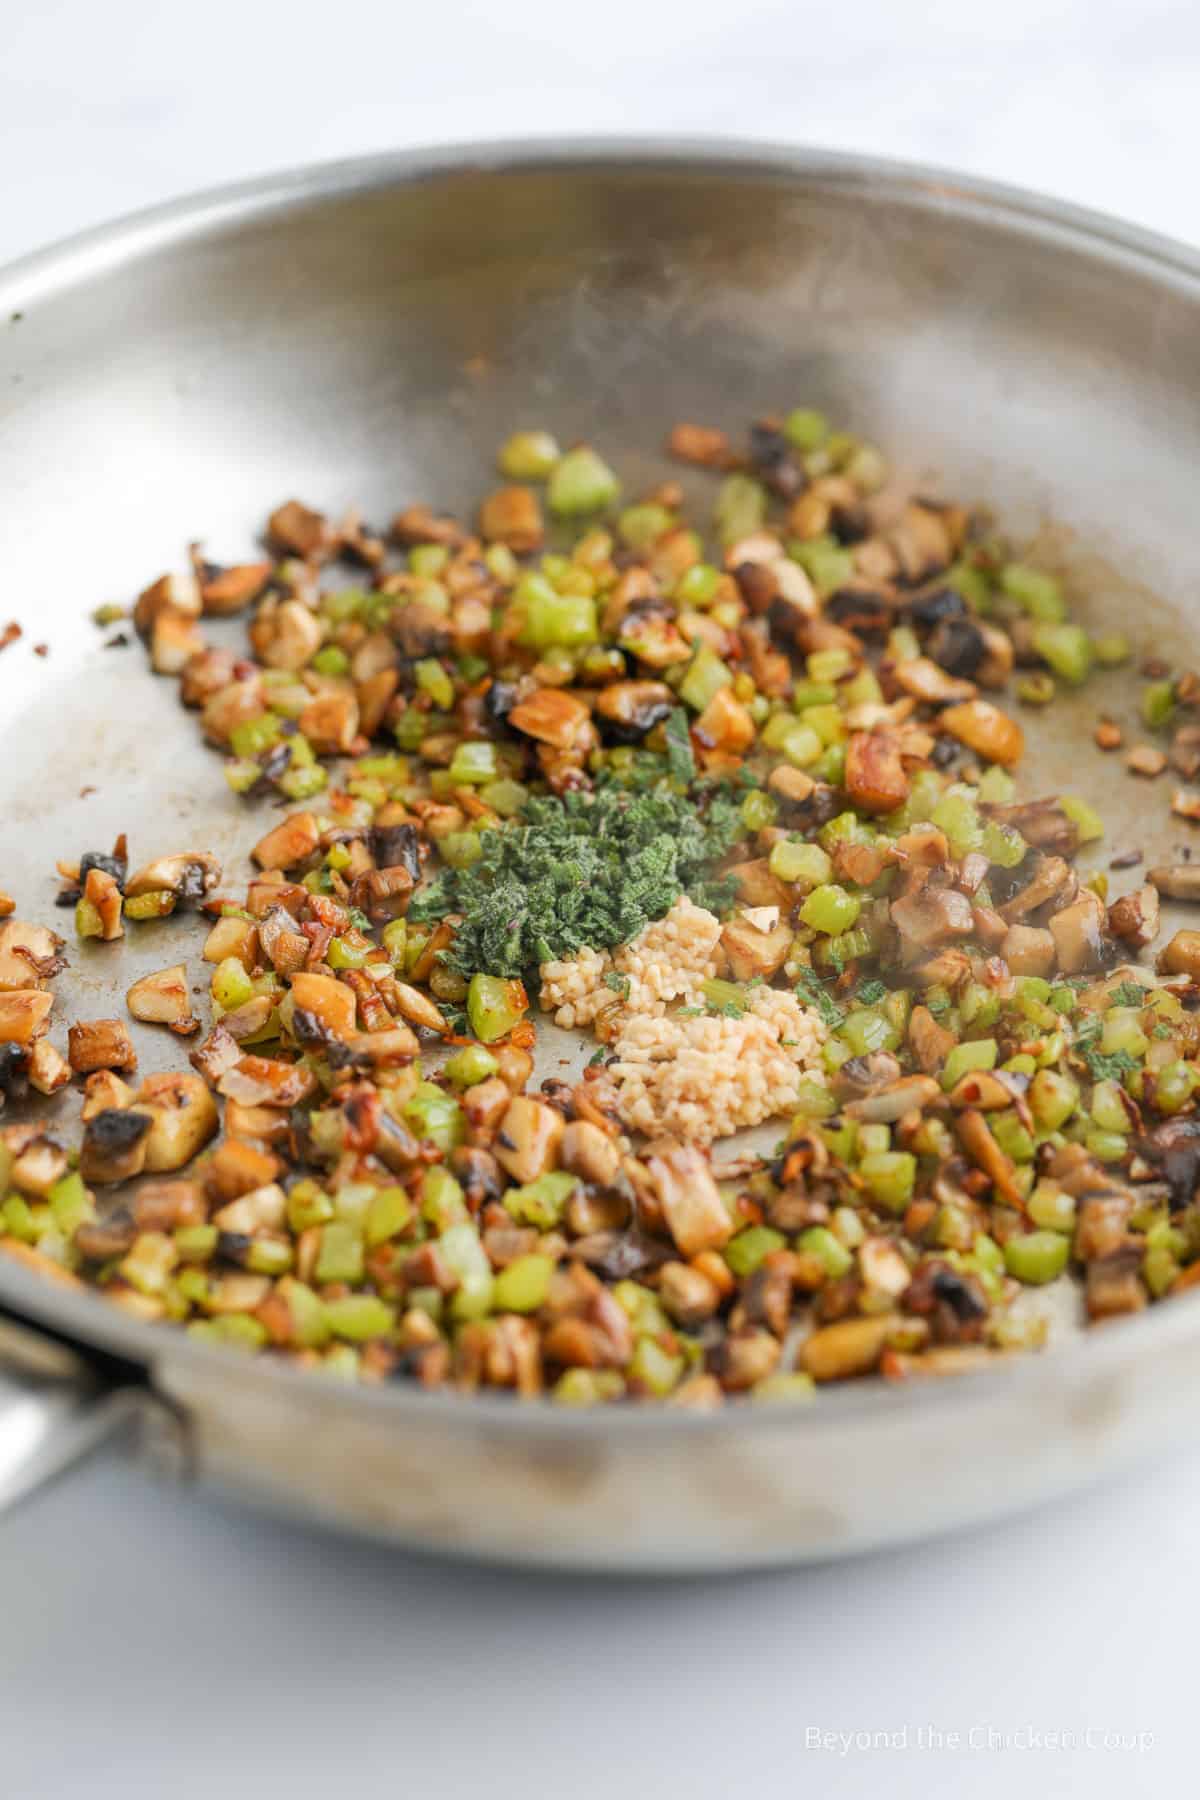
<point>298,530</point>
<point>1177,881</point>
<point>100,1044</point>
<point>164,998</point>
<point>189,876</point>
<point>1050,879</point>
<point>703,445</point>
<point>1181,956</point>
<point>756,943</point>
<point>1029,950</point>
<point>178,594</point>
<point>528,1137</point>
<point>289,844</point>
<point>114,1145</point>
<point>1078,933</point>
<point>27,953</point>
<point>875,777</point>
<point>552,717</point>
<point>183,1116</point>
<point>1147,760</point>
<point>691,1204</point>
<point>330,721</point>
<point>1134,917</point>
<point>1042,823</point>
<point>513,516</point>
<point>1186,805</point>
<point>101,892</point>
<point>932,916</point>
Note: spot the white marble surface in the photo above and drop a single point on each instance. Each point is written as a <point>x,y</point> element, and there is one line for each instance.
<point>151,1645</point>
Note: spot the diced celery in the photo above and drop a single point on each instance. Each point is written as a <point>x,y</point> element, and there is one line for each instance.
<point>494,1006</point>
<point>748,1249</point>
<point>1038,593</point>
<point>524,1284</point>
<point>830,909</point>
<point>820,1242</point>
<point>474,761</point>
<point>443,1202</point>
<point>641,526</point>
<point>436,1115</point>
<point>462,1249</point>
<point>552,620</point>
<point>889,1176</point>
<point>340,1257</point>
<point>528,456</point>
<point>581,482</point>
<point>823,560</point>
<point>1037,1257</point>
<point>359,1317</point>
<point>1067,650</point>
<point>741,508</point>
<point>388,1213</point>
<point>806,429</point>
<point>803,863</point>
<point>963,1059</point>
<point>1087,820</point>
<point>470,1065</point>
<point>704,678</point>
<point>540,1202</point>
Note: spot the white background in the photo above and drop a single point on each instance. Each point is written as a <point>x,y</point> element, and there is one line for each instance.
<point>153,1645</point>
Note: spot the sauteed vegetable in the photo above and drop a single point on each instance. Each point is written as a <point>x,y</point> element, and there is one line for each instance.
<point>730,797</point>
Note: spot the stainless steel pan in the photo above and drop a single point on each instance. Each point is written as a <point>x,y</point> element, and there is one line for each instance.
<point>368,332</point>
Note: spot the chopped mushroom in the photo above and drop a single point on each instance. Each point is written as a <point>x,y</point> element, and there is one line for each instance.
<point>695,1213</point>
<point>986,730</point>
<point>164,999</point>
<point>296,528</point>
<point>174,640</point>
<point>1134,917</point>
<point>1029,950</point>
<point>114,1145</point>
<point>49,1070</point>
<point>179,594</point>
<point>101,893</point>
<point>100,1044</point>
<point>875,777</point>
<point>528,1138</point>
<point>288,844</point>
<point>189,876</point>
<point>1181,956</point>
<point>25,950</point>
<point>1078,934</point>
<point>1179,881</point>
<point>933,915</point>
<point>183,1116</point>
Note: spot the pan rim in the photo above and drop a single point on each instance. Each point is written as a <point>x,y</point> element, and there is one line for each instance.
<point>90,254</point>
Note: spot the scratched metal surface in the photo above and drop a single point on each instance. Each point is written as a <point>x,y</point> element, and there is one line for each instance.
<point>361,335</point>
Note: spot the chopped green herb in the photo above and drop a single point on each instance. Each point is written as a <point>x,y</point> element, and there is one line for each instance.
<point>1128,993</point>
<point>581,870</point>
<point>680,760</point>
<point>1109,1067</point>
<point>937,1004</point>
<point>871,993</point>
<point>813,992</point>
<point>618,983</point>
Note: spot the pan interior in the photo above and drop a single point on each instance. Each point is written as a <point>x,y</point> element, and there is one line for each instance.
<point>374,344</point>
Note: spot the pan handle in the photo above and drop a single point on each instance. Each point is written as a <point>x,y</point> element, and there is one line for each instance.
<point>57,1407</point>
